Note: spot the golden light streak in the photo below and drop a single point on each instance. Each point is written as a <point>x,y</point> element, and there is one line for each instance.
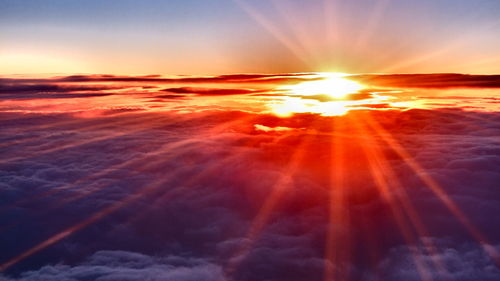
<point>383,186</point>
<point>86,192</point>
<point>210,169</point>
<point>41,150</point>
<point>373,21</point>
<point>298,29</point>
<point>261,219</point>
<point>101,173</point>
<point>332,32</point>
<point>337,248</point>
<point>415,219</point>
<point>398,201</point>
<point>436,188</point>
<point>403,66</point>
<point>273,29</point>
<point>106,211</point>
<point>79,226</point>
<point>139,120</point>
<point>147,159</point>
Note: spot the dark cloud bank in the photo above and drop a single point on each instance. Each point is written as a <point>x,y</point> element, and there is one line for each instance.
<point>163,196</point>
<point>81,86</point>
<point>437,81</point>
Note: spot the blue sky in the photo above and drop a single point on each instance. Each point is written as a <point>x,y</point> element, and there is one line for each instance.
<point>219,36</point>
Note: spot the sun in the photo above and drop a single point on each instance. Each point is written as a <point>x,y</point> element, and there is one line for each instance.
<point>328,95</point>
<point>330,84</point>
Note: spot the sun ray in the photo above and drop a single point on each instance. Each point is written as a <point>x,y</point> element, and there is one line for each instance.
<point>426,57</point>
<point>85,223</point>
<point>283,183</point>
<point>332,32</point>
<point>219,165</point>
<point>372,23</point>
<point>435,188</point>
<point>383,171</point>
<point>273,30</point>
<point>377,172</point>
<point>109,136</point>
<point>80,126</point>
<point>86,192</point>
<point>130,163</point>
<point>302,40</point>
<point>400,218</point>
<point>337,245</point>
<point>147,159</point>
<point>118,205</point>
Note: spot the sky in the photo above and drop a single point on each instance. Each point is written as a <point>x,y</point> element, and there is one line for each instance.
<point>244,177</point>
<point>240,36</point>
<point>238,140</point>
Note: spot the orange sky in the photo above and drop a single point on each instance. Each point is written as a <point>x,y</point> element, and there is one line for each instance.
<point>241,36</point>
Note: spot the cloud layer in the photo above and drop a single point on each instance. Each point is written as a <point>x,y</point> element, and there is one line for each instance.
<point>225,194</point>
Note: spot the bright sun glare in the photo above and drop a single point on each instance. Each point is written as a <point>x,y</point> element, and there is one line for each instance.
<point>332,85</point>
<point>299,98</point>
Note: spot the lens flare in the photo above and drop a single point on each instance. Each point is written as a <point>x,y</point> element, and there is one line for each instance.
<point>330,95</point>
<point>332,85</point>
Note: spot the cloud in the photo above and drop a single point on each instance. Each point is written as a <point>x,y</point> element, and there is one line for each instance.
<point>15,91</point>
<point>209,91</point>
<point>446,80</point>
<point>122,265</point>
<point>437,81</point>
<point>465,262</point>
<point>51,88</point>
<point>187,196</point>
<point>82,86</point>
<point>377,105</point>
<point>328,98</point>
<point>156,79</point>
<point>170,97</point>
<point>267,129</point>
